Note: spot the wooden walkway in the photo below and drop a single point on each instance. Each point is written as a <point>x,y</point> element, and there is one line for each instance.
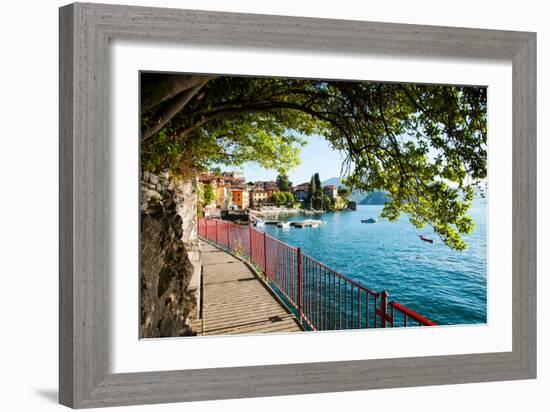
<point>235,301</point>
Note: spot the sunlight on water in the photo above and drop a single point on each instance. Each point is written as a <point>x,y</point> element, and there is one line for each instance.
<point>447,286</point>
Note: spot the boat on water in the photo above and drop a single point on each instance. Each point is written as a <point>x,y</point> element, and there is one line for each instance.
<point>307,223</point>
<point>369,220</point>
<point>284,225</point>
<point>425,239</point>
<point>259,222</point>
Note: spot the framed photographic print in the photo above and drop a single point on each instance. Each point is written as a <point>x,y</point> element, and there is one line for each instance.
<point>264,205</point>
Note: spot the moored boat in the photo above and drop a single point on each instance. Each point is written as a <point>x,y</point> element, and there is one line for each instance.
<point>306,223</point>
<point>369,220</point>
<point>425,239</point>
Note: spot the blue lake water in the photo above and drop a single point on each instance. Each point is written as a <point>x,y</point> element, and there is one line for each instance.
<point>447,286</point>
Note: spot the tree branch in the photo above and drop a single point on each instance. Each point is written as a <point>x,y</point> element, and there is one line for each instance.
<point>179,103</point>
<point>155,92</point>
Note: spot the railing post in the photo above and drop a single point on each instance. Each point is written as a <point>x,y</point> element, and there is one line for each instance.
<point>250,243</point>
<point>227,230</point>
<point>206,229</point>
<point>299,265</point>
<point>216,230</point>
<point>265,256</point>
<point>383,307</point>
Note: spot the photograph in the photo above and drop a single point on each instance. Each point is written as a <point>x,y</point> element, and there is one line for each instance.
<point>277,205</point>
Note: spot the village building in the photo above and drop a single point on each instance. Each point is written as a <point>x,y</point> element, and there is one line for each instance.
<point>240,197</point>
<point>300,195</point>
<point>270,192</point>
<point>331,191</point>
<point>222,193</point>
<point>259,196</point>
<point>266,185</point>
<point>301,191</point>
<point>233,179</point>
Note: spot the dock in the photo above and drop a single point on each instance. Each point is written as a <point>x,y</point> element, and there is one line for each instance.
<point>235,300</point>
<point>297,223</point>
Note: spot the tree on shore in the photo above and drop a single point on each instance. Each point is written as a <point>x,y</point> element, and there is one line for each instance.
<point>208,194</point>
<point>283,183</point>
<point>344,192</point>
<point>317,199</point>
<point>311,192</point>
<point>283,198</point>
<point>318,184</point>
<point>205,196</point>
<point>424,145</point>
<point>289,199</point>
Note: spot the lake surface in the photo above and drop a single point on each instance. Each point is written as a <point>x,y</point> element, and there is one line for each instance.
<point>447,286</point>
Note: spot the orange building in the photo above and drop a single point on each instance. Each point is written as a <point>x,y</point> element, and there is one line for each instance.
<point>240,198</point>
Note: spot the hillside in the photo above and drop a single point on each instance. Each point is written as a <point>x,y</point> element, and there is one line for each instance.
<point>361,198</point>
<point>374,198</point>
<point>332,181</point>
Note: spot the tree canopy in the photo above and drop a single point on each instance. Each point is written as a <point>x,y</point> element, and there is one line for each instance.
<point>316,198</point>
<point>344,192</point>
<point>209,195</point>
<point>283,198</point>
<point>283,183</point>
<point>424,145</point>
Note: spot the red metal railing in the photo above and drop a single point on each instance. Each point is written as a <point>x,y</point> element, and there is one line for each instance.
<point>322,298</point>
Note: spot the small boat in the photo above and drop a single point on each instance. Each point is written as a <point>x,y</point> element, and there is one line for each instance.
<point>260,222</point>
<point>369,220</point>
<point>300,224</point>
<point>425,239</point>
<point>284,225</point>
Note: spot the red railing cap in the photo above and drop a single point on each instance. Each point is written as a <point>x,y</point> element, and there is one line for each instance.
<point>412,314</point>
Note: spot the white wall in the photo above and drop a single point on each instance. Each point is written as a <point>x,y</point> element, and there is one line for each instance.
<point>28,219</point>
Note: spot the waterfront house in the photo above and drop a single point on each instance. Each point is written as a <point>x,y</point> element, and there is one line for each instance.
<point>301,191</point>
<point>258,196</point>
<point>331,191</point>
<point>300,195</point>
<point>266,185</point>
<point>302,186</point>
<point>222,193</point>
<point>233,179</point>
<point>240,197</point>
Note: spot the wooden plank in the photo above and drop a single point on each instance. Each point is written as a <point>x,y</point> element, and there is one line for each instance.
<point>235,301</point>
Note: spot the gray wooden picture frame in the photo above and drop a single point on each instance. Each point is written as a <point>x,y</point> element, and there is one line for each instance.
<point>85,31</point>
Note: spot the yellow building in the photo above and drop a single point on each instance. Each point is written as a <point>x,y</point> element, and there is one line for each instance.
<point>221,194</point>
<point>240,198</point>
<point>259,196</point>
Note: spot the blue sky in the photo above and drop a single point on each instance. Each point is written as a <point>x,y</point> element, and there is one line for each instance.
<point>316,156</point>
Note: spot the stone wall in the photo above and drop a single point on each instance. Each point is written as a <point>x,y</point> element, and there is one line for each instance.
<point>169,256</point>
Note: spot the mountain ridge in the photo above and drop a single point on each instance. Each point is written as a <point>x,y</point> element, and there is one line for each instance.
<point>376,197</point>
